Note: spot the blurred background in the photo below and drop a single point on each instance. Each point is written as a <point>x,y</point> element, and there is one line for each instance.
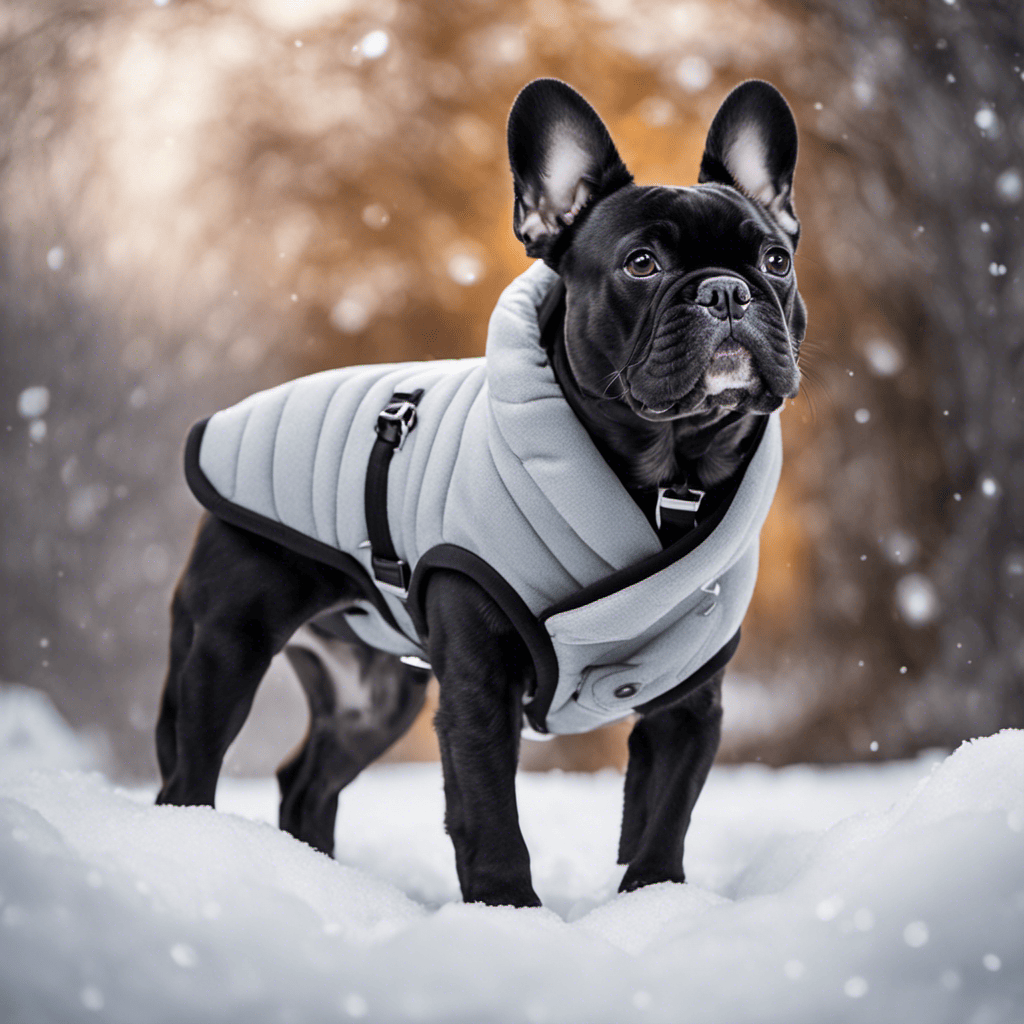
<point>202,198</point>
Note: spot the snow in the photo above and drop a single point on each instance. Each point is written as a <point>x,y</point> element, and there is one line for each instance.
<point>891,891</point>
<point>33,401</point>
<point>1009,186</point>
<point>374,44</point>
<point>694,73</point>
<point>985,118</point>
<point>884,358</point>
<point>917,599</point>
<point>375,217</point>
<point>464,264</point>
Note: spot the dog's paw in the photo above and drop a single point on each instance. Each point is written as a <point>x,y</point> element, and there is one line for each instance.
<point>505,896</point>
<point>637,878</point>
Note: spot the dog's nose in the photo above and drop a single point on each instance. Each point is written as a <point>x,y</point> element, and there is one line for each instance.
<point>725,297</point>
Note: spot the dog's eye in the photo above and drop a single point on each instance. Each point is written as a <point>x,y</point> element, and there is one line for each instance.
<point>776,261</point>
<point>641,264</point>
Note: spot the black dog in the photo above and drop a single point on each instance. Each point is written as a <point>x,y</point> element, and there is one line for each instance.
<point>681,332</point>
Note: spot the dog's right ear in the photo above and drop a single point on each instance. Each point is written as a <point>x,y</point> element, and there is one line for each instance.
<point>562,159</point>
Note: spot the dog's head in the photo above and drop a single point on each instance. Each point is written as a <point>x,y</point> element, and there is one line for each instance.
<point>680,301</point>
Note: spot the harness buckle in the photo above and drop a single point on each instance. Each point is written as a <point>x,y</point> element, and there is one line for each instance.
<point>687,500</point>
<point>392,575</point>
<point>395,421</point>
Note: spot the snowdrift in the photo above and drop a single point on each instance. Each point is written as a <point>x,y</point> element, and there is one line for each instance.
<point>870,893</point>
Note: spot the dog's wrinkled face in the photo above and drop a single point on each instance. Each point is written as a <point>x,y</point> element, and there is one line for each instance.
<point>680,301</point>
<point>693,288</point>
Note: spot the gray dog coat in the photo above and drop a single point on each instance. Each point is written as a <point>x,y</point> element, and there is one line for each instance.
<point>498,480</point>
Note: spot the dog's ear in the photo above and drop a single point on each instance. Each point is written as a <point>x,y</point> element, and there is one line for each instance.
<point>562,159</point>
<point>751,145</point>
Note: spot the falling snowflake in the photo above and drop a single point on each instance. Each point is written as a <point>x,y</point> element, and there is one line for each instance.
<point>374,44</point>
<point>916,599</point>
<point>33,402</point>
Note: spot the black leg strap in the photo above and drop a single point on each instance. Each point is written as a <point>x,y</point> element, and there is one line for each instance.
<point>395,421</point>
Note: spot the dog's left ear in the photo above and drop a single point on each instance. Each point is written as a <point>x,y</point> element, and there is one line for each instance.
<point>751,145</point>
<point>562,159</point>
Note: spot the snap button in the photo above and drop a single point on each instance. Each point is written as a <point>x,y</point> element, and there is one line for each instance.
<point>626,690</point>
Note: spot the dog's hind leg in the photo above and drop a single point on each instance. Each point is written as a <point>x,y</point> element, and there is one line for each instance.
<point>360,702</point>
<point>240,599</point>
<point>182,631</point>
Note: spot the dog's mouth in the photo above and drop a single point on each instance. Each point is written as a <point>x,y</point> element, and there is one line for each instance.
<point>696,401</point>
<point>729,381</point>
<point>750,367</point>
<point>656,415</point>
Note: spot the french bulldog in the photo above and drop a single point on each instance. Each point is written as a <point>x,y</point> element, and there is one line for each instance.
<point>675,334</point>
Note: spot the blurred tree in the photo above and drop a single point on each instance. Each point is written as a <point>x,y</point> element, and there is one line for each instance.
<point>921,561</point>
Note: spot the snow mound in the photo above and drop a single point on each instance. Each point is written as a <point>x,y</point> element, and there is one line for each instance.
<point>871,893</point>
<point>33,735</point>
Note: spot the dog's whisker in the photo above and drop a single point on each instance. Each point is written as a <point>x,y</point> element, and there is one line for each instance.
<point>813,387</point>
<point>612,378</point>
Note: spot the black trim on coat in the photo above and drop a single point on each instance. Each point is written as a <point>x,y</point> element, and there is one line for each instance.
<point>236,515</point>
<point>527,625</point>
<point>679,693</point>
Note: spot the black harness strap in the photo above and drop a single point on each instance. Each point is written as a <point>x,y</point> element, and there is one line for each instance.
<point>395,421</point>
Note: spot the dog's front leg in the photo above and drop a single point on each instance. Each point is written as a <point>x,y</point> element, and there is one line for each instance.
<point>670,754</point>
<point>482,667</point>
